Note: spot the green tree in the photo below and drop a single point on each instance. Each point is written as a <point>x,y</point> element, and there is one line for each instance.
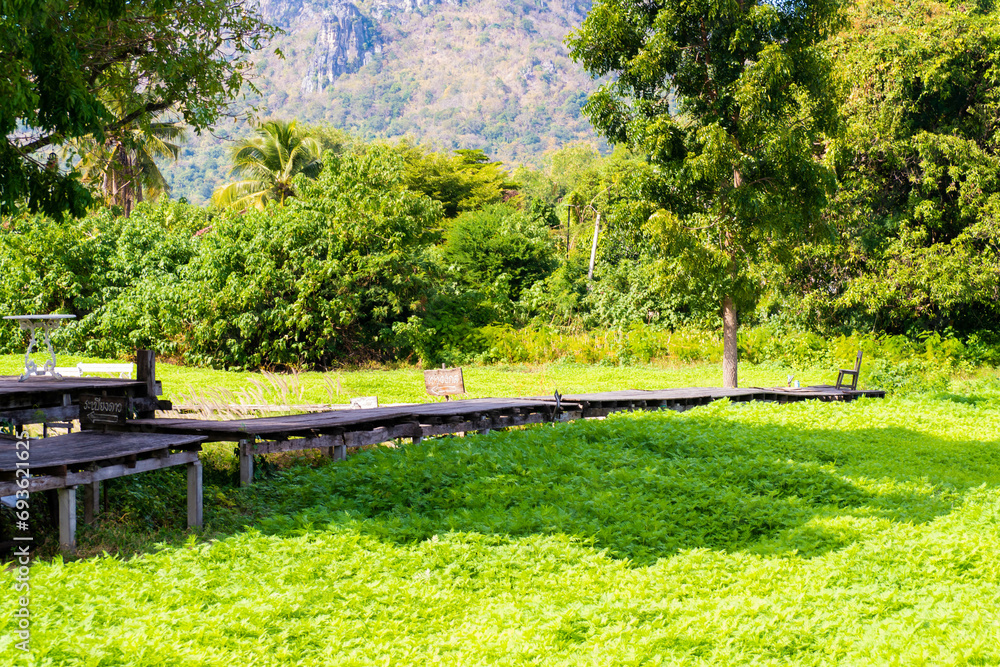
<point>499,250</point>
<point>465,181</point>
<point>740,160</point>
<point>59,55</point>
<point>919,163</point>
<point>268,163</point>
<point>321,279</point>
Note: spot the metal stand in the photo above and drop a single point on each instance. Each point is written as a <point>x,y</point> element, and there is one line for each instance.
<point>47,323</point>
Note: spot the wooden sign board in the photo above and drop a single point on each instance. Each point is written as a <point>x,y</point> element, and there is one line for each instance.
<point>102,410</point>
<point>444,382</point>
<point>364,402</point>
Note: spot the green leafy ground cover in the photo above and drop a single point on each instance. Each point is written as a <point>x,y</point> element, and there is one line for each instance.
<point>811,533</point>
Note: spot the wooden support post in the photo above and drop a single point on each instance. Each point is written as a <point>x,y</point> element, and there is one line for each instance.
<point>145,371</point>
<point>329,452</point>
<point>339,452</point>
<point>195,495</point>
<point>246,462</point>
<point>67,518</point>
<point>91,501</point>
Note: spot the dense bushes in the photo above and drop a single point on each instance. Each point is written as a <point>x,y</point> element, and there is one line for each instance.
<point>117,275</point>
<point>320,279</point>
<point>352,270</point>
<point>499,248</point>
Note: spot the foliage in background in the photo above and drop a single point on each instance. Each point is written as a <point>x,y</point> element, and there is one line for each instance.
<point>742,152</point>
<point>919,165</point>
<point>465,181</point>
<point>516,253</point>
<point>123,166</point>
<point>118,275</point>
<point>499,250</point>
<point>322,278</point>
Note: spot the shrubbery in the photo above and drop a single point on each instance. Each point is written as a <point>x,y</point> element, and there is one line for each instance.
<point>322,278</point>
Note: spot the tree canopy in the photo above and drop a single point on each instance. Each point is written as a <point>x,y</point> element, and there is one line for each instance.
<point>60,55</point>
<point>731,102</point>
<point>919,205</point>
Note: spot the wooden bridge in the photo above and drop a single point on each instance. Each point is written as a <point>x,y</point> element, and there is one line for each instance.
<point>64,462</point>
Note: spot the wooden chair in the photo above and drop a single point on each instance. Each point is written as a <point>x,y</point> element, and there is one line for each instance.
<point>854,375</point>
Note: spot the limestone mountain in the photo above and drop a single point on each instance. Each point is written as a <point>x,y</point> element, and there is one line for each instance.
<point>489,74</point>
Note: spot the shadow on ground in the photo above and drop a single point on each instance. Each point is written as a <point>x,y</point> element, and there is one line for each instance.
<point>646,485</point>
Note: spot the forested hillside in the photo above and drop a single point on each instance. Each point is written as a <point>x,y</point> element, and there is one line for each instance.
<point>473,74</point>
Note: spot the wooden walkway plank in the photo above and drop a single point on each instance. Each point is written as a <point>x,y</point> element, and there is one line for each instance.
<point>86,447</point>
<point>336,421</point>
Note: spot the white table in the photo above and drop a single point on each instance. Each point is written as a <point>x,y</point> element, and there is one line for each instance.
<point>46,323</point>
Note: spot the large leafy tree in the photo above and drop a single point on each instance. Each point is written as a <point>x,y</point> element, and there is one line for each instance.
<point>59,56</point>
<point>730,100</point>
<point>320,279</point>
<point>919,205</point>
<point>267,163</point>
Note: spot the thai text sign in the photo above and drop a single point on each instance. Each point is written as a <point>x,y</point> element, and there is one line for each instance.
<point>444,382</point>
<point>101,410</point>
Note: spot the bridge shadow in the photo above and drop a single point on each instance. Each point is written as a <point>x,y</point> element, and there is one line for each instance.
<point>644,486</point>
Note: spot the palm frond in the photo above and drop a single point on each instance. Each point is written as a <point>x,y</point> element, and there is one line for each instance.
<point>241,194</point>
<point>271,159</point>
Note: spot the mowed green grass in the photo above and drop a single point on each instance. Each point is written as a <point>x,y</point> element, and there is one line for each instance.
<point>807,534</point>
<point>406,385</point>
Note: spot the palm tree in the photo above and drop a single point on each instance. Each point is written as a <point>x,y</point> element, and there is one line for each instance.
<point>267,162</point>
<point>124,164</point>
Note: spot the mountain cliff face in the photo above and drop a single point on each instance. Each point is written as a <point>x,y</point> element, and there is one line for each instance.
<point>344,38</point>
<point>489,74</point>
<point>343,45</point>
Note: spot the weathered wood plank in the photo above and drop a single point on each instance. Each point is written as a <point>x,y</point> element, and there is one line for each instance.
<point>67,519</point>
<point>195,495</point>
<point>278,428</point>
<point>86,447</point>
<point>91,501</point>
<point>245,451</point>
<point>49,482</point>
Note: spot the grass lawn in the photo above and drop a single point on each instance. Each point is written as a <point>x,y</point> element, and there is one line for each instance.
<point>862,533</point>
<point>406,385</point>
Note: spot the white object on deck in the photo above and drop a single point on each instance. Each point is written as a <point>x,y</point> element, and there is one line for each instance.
<point>124,371</point>
<point>46,323</point>
<point>364,402</point>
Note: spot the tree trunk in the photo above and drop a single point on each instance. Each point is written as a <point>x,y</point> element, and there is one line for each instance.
<point>730,355</point>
